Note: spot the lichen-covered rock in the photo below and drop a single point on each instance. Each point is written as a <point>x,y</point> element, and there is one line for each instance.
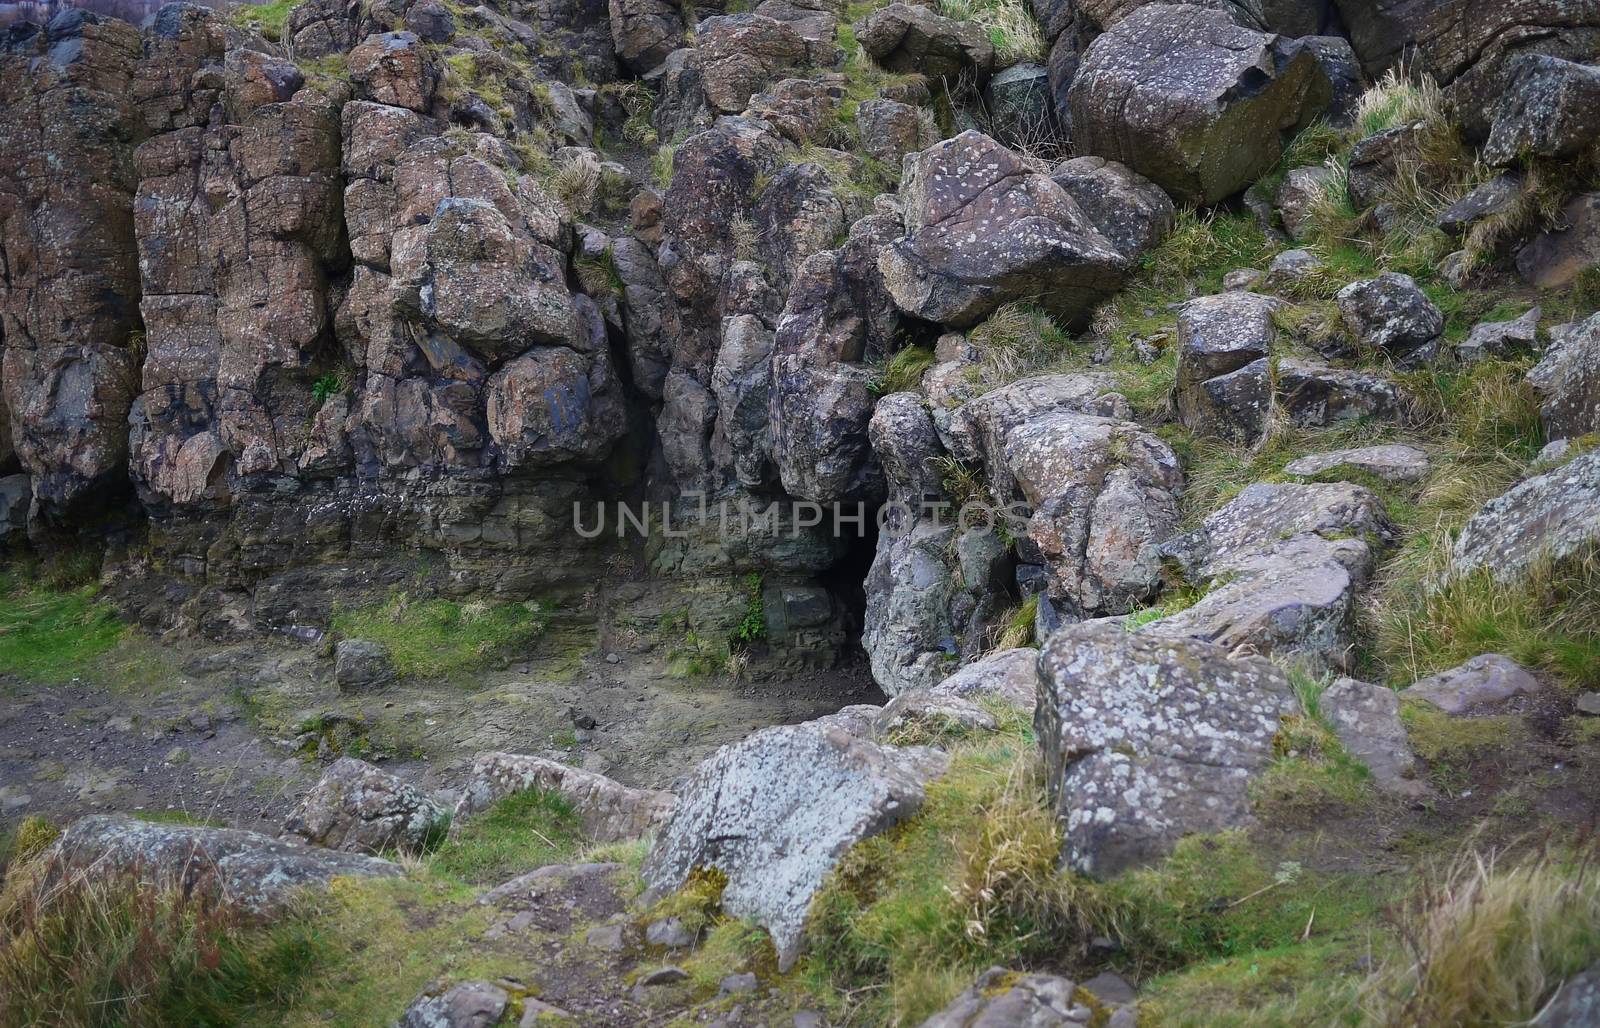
<point>1000,997</point>
<point>1147,740</point>
<point>462,1005</point>
<point>1499,338</point>
<point>253,874</point>
<point>1218,335</point>
<point>776,812</point>
<point>1266,513</point>
<point>819,417</point>
<point>553,405</point>
<point>976,431</point>
<point>1548,516</point>
<point>1392,314</point>
<point>1485,680</point>
<point>1104,496</point>
<point>1128,209</point>
<point>1391,462</point>
<point>1567,381</point>
<point>610,811</point>
<point>890,129</point>
<point>1193,101</point>
<point>1498,196</point>
<point>800,108</point>
<point>912,38</point>
<point>740,54</point>
<point>360,809</point>
<point>394,69</point>
<point>983,229</point>
<point>1366,718</point>
<point>1315,395</point>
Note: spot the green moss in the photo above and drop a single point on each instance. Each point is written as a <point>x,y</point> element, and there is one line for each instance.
<point>1458,742</point>
<point>438,638</point>
<point>269,18</point>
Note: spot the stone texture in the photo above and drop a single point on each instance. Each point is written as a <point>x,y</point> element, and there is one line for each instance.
<point>1193,101</point>
<point>890,129</point>
<point>1554,259</point>
<point>1127,208</point>
<point>1302,190</point>
<point>1567,381</point>
<point>1550,108</point>
<point>1392,314</point>
<point>361,809</point>
<point>1485,680</point>
<point>776,811</point>
<point>1394,462</point>
<point>256,875</point>
<point>644,32</point>
<point>1495,197</point>
<point>739,54</point>
<point>1219,335</point>
<point>1366,718</point>
<point>462,1005</point>
<point>1147,740</point>
<point>360,665</point>
<point>609,810</point>
<point>912,38</point>
<point>1499,338</point>
<point>983,229</point>
<point>1551,515</point>
<point>1001,997</point>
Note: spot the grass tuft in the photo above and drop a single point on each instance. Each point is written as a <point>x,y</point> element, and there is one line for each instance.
<point>439,638</point>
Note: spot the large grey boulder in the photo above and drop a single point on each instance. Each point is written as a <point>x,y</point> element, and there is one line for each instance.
<point>609,810</point>
<point>362,809</point>
<point>912,38</point>
<point>1567,380</point>
<point>1193,101</point>
<point>1392,314</point>
<point>1548,516</point>
<point>777,811</point>
<point>253,874</point>
<point>1146,740</point>
<point>1128,209</point>
<point>1104,496</point>
<point>976,431</point>
<point>645,32</point>
<point>1315,395</point>
<point>739,54</point>
<point>818,418</point>
<point>983,229</point>
<point>1550,108</point>
<point>1006,678</point>
<point>1266,513</point>
<point>1485,680</point>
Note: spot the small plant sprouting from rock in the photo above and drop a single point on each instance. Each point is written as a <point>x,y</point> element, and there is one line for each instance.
<point>325,388</point>
<point>752,627</point>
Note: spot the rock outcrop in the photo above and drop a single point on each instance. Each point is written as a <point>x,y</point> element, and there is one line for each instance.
<point>1545,517</point>
<point>361,809</point>
<point>608,810</point>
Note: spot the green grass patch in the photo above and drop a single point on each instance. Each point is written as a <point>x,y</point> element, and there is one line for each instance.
<point>269,19</point>
<point>51,634</point>
<point>903,372</point>
<point>1311,984</point>
<point>523,831</point>
<point>439,638</point>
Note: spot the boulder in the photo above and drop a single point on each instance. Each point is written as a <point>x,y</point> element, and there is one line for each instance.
<point>255,875</point>
<point>645,32</point>
<point>983,229</point>
<point>1567,381</point>
<point>1549,516</point>
<point>1575,1003</point>
<point>1218,335</point>
<point>1266,513</point>
<point>1394,462</point>
<point>554,405</point>
<point>776,812</point>
<point>799,108</point>
<point>1366,718</point>
<point>1147,740</point>
<point>912,38</point>
<point>358,808</point>
<point>1193,101</point>
<point>1554,259</point>
<point>1550,108</point>
<point>740,54</point>
<point>1486,680</point>
<point>976,431</point>
<point>394,68</point>
<point>1314,395</point>
<point>1018,104</point>
<point>1104,497</point>
<point>462,1005</point>
<point>819,416</point>
<point>610,811</point>
<point>1291,267</point>
<point>1496,197</point>
<point>1127,208</point>
<point>360,665</point>
<point>1001,997</point>
<point>890,129</point>
<point>1500,338</point>
<point>1375,164</point>
<point>1392,314</point>
<point>1339,62</point>
<point>1007,677</point>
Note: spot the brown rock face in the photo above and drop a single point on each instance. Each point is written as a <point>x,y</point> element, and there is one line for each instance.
<point>69,292</point>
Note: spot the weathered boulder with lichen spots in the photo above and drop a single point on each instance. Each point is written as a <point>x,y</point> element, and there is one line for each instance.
<point>1393,314</point>
<point>1390,462</point>
<point>1192,101</point>
<point>1266,513</point>
<point>776,812</point>
<point>644,32</point>
<point>1146,740</point>
<point>1567,381</point>
<point>396,69</point>
<point>1218,335</point>
<point>976,431</point>
<point>912,38</point>
<point>253,874</point>
<point>463,1005</point>
<point>740,54</point>
<point>609,810</point>
<point>1128,209</point>
<point>1001,997</point>
<point>984,229</point>
<point>1546,517</point>
<point>1104,496</point>
<point>1549,109</point>
<point>361,809</point>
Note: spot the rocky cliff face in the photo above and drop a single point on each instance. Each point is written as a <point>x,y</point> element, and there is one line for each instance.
<point>391,283</point>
